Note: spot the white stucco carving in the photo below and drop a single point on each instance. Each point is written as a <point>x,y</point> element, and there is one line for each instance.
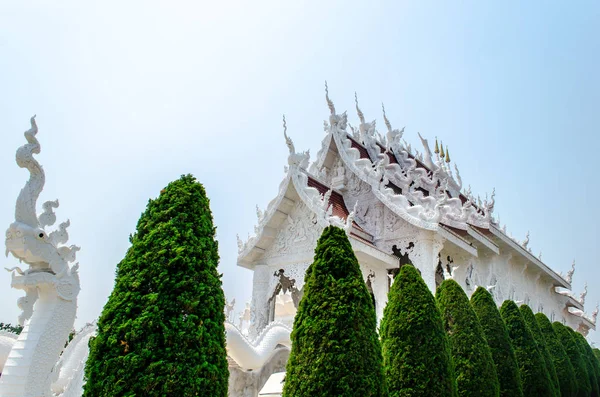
<point>51,283</point>
<point>253,353</point>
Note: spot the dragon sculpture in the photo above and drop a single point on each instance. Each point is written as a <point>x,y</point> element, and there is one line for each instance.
<point>51,284</point>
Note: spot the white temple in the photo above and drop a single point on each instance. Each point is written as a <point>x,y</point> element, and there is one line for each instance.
<point>397,206</point>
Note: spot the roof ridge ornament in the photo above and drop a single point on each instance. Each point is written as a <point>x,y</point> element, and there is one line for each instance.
<point>288,140</point>
<point>329,102</point>
<point>569,276</point>
<point>385,119</point>
<point>361,116</point>
<point>583,294</point>
<point>525,242</point>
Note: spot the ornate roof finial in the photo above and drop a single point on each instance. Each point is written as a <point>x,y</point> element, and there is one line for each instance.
<point>288,140</point>
<point>385,119</point>
<point>329,103</point>
<point>583,294</point>
<point>437,148</point>
<point>447,154</point>
<point>442,155</point>
<point>569,277</point>
<point>361,116</point>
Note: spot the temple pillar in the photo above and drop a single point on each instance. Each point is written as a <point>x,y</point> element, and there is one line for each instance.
<point>425,256</point>
<point>260,300</point>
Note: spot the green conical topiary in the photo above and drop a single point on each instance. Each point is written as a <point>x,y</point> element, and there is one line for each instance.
<point>473,364</point>
<point>540,341</point>
<point>335,347</point>
<point>589,360</point>
<point>416,354</point>
<point>584,387</point>
<point>161,333</point>
<point>562,363</point>
<point>497,337</point>
<point>597,353</point>
<point>536,381</point>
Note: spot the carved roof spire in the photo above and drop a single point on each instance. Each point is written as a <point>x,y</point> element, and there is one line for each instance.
<point>288,140</point>
<point>329,103</point>
<point>442,155</point>
<point>447,154</point>
<point>437,148</point>
<point>385,119</point>
<point>361,116</point>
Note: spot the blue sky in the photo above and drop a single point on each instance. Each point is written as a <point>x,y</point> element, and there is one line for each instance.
<point>131,95</point>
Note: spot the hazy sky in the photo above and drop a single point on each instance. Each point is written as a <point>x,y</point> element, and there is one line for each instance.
<point>130,95</point>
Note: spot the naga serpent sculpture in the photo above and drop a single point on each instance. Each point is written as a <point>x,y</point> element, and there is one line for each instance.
<point>254,354</point>
<point>50,283</point>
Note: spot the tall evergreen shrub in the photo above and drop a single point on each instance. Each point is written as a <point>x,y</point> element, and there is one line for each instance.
<point>497,337</point>
<point>596,353</point>
<point>589,360</point>
<point>161,333</point>
<point>562,363</point>
<point>536,381</point>
<point>584,387</point>
<point>474,367</point>
<point>416,354</point>
<point>335,347</point>
<point>540,341</point>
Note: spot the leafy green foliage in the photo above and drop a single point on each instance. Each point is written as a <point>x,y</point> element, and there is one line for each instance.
<point>15,329</point>
<point>416,354</point>
<point>597,353</point>
<point>589,359</point>
<point>536,381</point>
<point>584,387</point>
<point>474,367</point>
<point>335,347</point>
<point>497,337</point>
<point>562,363</point>
<point>162,333</point>
<point>540,341</point>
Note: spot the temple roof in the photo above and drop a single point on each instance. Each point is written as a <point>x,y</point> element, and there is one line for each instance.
<point>420,188</point>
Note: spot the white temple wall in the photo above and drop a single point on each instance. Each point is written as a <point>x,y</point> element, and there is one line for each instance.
<point>511,278</point>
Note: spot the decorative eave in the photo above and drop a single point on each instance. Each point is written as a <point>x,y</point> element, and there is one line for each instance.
<point>265,231</point>
<point>457,240</point>
<point>560,282</point>
<point>296,185</point>
<point>383,259</point>
<point>483,239</point>
<point>362,167</point>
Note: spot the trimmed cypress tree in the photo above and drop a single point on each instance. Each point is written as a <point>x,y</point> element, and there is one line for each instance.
<point>584,387</point>
<point>473,364</point>
<point>416,354</point>
<point>562,363</point>
<point>161,333</point>
<point>335,347</point>
<point>531,322</point>
<point>589,361</point>
<point>536,381</point>
<point>597,353</point>
<point>497,337</point>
